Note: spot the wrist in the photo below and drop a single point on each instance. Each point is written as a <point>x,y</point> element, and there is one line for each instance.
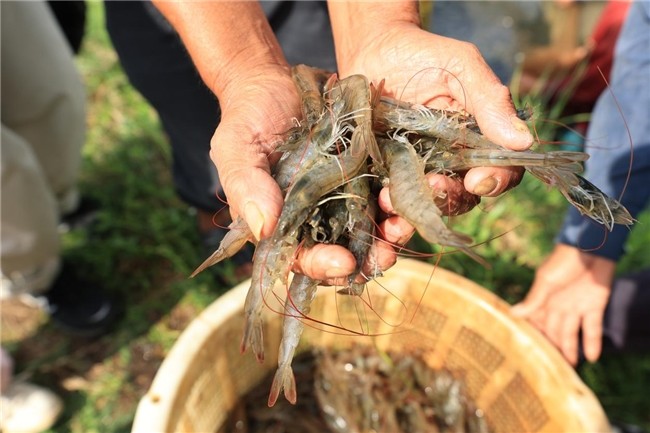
<point>356,26</point>
<point>229,42</point>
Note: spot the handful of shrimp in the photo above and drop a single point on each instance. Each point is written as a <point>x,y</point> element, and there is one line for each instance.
<point>351,141</point>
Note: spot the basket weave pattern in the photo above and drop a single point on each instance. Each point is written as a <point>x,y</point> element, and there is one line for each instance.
<point>511,372</point>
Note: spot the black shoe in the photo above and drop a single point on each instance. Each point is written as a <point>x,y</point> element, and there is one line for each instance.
<point>79,307</point>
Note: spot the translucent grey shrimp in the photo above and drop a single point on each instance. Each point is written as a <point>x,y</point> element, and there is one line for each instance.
<point>413,200</point>
<point>328,172</point>
<point>361,99</point>
<point>302,292</point>
<point>230,245</point>
<point>324,177</point>
<point>463,159</point>
<point>309,82</point>
<point>270,265</point>
<point>454,127</point>
<point>362,210</point>
<point>584,196</point>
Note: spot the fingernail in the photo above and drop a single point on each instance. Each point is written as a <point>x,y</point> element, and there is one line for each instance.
<point>254,218</point>
<point>486,186</point>
<point>519,124</point>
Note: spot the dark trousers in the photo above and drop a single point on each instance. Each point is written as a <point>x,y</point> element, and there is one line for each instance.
<point>159,67</point>
<point>627,317</point>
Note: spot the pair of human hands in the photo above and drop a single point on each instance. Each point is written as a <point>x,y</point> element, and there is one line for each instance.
<point>238,56</point>
<point>568,299</point>
<point>418,67</point>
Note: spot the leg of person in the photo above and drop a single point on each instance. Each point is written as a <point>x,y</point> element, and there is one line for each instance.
<point>626,327</point>
<point>30,241</point>
<point>43,97</point>
<point>159,67</point>
<point>43,126</point>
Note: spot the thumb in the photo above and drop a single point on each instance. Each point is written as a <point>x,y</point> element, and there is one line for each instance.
<point>252,193</point>
<point>496,115</point>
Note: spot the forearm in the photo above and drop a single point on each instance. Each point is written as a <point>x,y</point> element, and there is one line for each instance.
<point>355,24</point>
<point>228,41</point>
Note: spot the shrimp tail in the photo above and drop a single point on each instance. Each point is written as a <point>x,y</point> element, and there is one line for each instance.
<point>230,245</point>
<point>253,337</point>
<point>585,196</point>
<point>283,380</point>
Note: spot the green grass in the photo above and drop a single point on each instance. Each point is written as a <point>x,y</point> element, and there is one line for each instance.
<point>144,245</point>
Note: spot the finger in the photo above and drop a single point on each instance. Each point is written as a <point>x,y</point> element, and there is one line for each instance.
<point>325,262</point>
<point>490,102</point>
<point>553,326</point>
<point>395,230</point>
<point>380,257</point>
<point>492,181</point>
<point>534,302</point>
<point>449,194</point>
<point>592,335</point>
<point>569,338</point>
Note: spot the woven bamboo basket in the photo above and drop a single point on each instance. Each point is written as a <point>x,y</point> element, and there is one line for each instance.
<point>511,372</point>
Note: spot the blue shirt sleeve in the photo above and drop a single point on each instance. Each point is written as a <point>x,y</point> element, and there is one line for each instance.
<point>618,140</point>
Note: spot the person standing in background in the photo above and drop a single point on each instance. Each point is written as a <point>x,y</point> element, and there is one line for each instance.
<point>575,299</point>
<point>43,130</point>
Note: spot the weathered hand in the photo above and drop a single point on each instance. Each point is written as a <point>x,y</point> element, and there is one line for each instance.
<point>444,73</point>
<point>569,295</point>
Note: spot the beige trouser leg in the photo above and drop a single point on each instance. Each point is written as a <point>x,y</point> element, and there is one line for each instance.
<point>43,129</point>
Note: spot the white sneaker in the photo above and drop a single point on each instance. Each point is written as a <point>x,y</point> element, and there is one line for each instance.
<point>27,408</point>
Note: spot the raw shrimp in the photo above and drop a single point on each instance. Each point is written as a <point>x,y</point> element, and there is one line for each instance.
<point>413,199</point>
<point>297,305</point>
<point>453,127</point>
<point>271,263</point>
<point>309,82</point>
<point>463,159</point>
<point>362,209</point>
<point>361,99</point>
<point>331,171</point>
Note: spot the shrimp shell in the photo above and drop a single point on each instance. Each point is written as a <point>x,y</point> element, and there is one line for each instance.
<point>309,83</point>
<point>271,263</point>
<point>450,126</point>
<point>362,210</point>
<point>413,200</point>
<point>230,245</point>
<point>585,196</point>
<point>302,292</point>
